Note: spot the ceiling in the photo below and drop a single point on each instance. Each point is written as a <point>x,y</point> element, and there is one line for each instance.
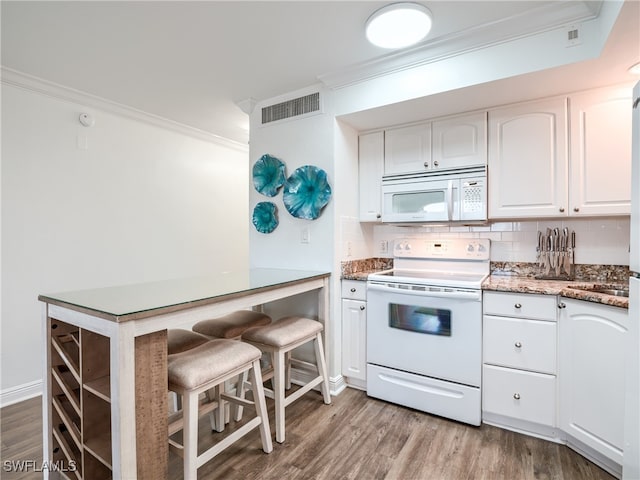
<point>196,62</point>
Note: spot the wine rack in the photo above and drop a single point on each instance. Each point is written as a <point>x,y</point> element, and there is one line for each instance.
<point>80,402</point>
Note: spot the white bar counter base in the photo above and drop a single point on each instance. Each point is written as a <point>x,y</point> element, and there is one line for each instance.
<point>134,319</point>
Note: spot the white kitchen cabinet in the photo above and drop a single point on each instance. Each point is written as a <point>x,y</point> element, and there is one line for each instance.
<point>527,160</point>
<point>600,160</point>
<point>592,370</point>
<point>354,332</point>
<point>370,170</point>
<point>453,142</point>
<point>460,141</point>
<point>560,157</point>
<point>407,149</point>
<point>520,362</point>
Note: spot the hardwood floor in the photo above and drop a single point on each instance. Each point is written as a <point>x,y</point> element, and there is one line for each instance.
<point>355,437</point>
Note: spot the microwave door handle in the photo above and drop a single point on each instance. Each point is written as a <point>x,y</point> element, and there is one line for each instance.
<point>450,200</point>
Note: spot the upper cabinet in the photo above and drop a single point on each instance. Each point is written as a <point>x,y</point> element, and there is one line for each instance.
<point>528,160</point>
<point>559,157</point>
<point>370,167</point>
<point>407,149</point>
<point>600,167</point>
<point>460,141</point>
<point>452,142</point>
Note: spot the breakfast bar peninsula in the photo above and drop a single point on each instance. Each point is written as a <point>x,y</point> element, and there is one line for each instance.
<point>105,379</point>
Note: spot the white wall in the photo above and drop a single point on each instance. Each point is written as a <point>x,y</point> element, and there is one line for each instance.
<point>140,203</point>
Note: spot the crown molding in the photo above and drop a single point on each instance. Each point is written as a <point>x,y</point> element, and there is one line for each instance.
<point>38,85</point>
<point>541,19</point>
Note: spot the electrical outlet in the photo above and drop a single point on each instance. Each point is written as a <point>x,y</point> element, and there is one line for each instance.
<point>384,246</point>
<point>349,249</point>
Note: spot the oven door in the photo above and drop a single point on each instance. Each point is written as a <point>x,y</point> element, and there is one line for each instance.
<point>435,333</point>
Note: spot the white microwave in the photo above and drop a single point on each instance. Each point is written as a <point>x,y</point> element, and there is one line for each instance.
<point>455,196</point>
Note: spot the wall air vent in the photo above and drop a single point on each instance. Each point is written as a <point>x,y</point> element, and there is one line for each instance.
<point>291,108</point>
<point>573,35</point>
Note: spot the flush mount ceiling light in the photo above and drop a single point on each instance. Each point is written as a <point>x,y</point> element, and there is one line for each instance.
<point>398,25</point>
<point>635,69</point>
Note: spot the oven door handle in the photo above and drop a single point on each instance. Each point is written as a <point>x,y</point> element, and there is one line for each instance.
<point>476,295</point>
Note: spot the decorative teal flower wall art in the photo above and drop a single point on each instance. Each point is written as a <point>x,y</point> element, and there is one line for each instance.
<point>268,175</point>
<point>265,217</point>
<point>306,192</point>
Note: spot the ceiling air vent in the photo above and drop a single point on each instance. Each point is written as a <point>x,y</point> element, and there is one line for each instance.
<point>291,108</point>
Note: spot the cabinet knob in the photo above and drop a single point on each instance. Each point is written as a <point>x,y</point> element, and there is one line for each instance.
<point>518,344</point>
<point>561,209</point>
<point>518,305</point>
<point>426,164</point>
<point>516,396</point>
<point>435,163</point>
<point>361,307</point>
<point>576,209</point>
<point>378,215</point>
<point>353,290</point>
<point>562,305</point>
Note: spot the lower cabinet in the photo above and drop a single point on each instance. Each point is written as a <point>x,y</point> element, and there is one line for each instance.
<point>519,362</point>
<point>354,333</point>
<point>554,368</point>
<point>592,370</point>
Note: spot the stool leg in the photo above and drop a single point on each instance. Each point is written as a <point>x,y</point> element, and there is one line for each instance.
<point>220,411</point>
<point>322,368</point>
<point>190,434</point>
<point>287,359</point>
<point>240,393</point>
<point>261,406</point>
<point>278,393</point>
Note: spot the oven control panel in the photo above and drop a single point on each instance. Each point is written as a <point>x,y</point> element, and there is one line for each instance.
<point>450,248</point>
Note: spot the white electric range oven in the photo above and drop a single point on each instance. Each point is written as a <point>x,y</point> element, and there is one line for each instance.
<point>424,327</point>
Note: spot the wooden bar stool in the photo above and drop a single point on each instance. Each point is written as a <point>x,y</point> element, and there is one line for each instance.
<point>279,339</point>
<point>232,325</point>
<point>206,367</point>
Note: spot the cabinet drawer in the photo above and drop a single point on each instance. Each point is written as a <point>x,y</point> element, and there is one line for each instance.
<point>354,289</point>
<point>522,305</point>
<point>520,343</point>
<point>518,394</point>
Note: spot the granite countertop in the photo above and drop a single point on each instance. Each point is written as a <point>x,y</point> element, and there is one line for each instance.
<point>505,283</point>
<point>519,278</point>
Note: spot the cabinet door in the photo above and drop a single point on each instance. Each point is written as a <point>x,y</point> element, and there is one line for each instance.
<point>528,160</point>
<point>407,149</point>
<point>601,152</point>
<point>460,141</point>
<point>370,169</point>
<point>354,324</point>
<point>592,373</point>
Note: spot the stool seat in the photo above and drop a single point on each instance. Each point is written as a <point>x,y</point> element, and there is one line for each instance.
<point>232,325</point>
<point>209,362</point>
<point>180,340</point>
<point>284,332</point>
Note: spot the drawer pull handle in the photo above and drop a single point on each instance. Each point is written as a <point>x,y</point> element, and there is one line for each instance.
<point>518,305</point>
<point>361,307</point>
<point>562,305</point>
<point>516,396</point>
<point>518,345</point>
<point>353,290</point>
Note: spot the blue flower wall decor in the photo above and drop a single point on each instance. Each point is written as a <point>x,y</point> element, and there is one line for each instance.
<point>268,175</point>
<point>265,217</point>
<point>306,192</point>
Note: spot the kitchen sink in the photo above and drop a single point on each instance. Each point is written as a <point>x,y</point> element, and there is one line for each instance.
<point>608,290</point>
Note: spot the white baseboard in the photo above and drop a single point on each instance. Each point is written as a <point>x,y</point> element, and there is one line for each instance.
<point>301,376</point>
<point>20,393</point>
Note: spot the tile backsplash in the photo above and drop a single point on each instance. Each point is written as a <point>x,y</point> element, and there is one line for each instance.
<point>598,240</point>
